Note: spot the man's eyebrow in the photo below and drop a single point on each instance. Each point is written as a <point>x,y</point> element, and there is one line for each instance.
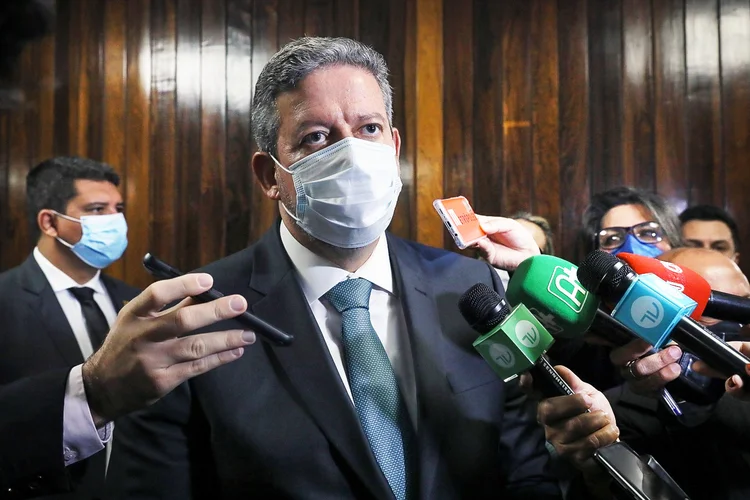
<point>371,116</point>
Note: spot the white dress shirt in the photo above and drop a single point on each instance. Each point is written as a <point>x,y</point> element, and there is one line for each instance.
<point>317,276</point>
<point>80,436</point>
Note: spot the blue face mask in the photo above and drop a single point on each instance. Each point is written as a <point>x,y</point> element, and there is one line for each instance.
<point>633,245</point>
<point>104,239</point>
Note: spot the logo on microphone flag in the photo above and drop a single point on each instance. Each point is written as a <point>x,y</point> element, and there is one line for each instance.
<point>565,286</point>
<point>515,345</point>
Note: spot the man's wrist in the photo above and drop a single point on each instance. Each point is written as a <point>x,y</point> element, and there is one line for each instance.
<point>94,395</point>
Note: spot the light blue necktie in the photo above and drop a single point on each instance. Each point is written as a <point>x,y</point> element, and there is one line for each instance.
<point>377,399</point>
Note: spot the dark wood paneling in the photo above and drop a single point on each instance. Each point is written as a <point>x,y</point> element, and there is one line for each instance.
<point>605,77</point>
<point>458,96</point>
<point>669,101</point>
<point>188,133</point>
<point>164,191</point>
<point>517,159</point>
<point>532,105</point>
<point>637,94</point>
<point>703,101</point>
<point>545,118</point>
<point>114,108</point>
<point>239,175</point>
<point>137,144</point>
<point>265,43</point>
<point>488,109</point>
<point>574,124</point>
<point>213,111</point>
<point>735,94</point>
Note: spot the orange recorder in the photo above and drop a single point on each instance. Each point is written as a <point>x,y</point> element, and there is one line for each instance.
<point>460,219</point>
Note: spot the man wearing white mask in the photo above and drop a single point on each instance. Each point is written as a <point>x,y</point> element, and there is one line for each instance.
<point>381,395</point>
<point>58,306</point>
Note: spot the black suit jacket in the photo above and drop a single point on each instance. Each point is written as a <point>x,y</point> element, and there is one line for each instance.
<point>278,422</point>
<point>37,350</point>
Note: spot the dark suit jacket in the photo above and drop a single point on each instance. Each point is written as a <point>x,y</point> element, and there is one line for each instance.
<point>278,423</point>
<point>37,350</point>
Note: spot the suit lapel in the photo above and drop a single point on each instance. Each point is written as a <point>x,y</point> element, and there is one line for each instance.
<point>423,325</point>
<point>307,362</point>
<point>118,298</point>
<point>46,307</point>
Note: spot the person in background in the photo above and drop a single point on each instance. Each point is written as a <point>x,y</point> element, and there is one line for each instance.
<point>626,219</point>
<point>57,309</point>
<point>58,306</point>
<point>708,226</point>
<point>539,228</point>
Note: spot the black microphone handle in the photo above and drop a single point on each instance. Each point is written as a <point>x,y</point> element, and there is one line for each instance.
<point>728,307</point>
<point>547,380</point>
<point>710,348</point>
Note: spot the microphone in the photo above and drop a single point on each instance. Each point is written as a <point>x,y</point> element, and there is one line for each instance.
<point>656,311</point>
<point>512,341</point>
<point>711,303</point>
<point>549,287</point>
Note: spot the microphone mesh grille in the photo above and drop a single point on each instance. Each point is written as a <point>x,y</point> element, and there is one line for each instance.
<point>599,265</point>
<point>483,308</point>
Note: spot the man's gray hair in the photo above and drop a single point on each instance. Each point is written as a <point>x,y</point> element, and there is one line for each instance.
<point>293,63</point>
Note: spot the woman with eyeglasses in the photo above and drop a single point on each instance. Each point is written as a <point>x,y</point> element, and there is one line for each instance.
<point>626,219</point>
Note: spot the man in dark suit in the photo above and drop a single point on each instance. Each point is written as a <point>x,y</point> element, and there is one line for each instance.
<point>57,308</point>
<point>381,395</point>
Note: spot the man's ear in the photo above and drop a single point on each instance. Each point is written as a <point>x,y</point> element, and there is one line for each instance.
<point>45,219</point>
<point>397,141</point>
<point>737,258</point>
<point>264,169</point>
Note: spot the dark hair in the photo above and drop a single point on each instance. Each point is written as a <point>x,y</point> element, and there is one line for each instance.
<point>712,212</point>
<point>293,63</point>
<point>51,184</point>
<point>601,203</point>
<point>543,224</point>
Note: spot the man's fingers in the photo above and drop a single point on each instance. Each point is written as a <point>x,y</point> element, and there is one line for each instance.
<point>186,319</point>
<point>196,347</point>
<point>581,426</point>
<point>632,350</point>
<point>161,293</point>
<point>654,363</point>
<point>553,410</point>
<point>186,370</point>
<point>572,379</point>
<point>584,448</point>
<point>656,381</point>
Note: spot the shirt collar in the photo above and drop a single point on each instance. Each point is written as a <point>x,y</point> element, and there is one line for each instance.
<point>60,281</point>
<point>318,275</point>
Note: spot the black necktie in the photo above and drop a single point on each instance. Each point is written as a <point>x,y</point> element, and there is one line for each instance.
<point>96,323</point>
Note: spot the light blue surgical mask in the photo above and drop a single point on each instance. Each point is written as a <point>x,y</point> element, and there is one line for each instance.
<point>632,245</point>
<point>103,240</point>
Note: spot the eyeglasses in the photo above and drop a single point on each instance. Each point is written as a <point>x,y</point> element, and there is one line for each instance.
<point>610,238</point>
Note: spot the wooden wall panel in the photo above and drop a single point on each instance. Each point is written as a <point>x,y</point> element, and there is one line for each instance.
<point>239,175</point>
<point>164,169</point>
<point>637,94</point>
<point>735,95</point>
<point>669,102</point>
<point>458,97</point>
<point>574,124</point>
<point>703,101</point>
<point>518,105</point>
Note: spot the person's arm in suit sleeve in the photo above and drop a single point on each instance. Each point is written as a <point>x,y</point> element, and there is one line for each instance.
<point>31,436</point>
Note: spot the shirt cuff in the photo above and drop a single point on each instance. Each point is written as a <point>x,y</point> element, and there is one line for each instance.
<point>81,439</point>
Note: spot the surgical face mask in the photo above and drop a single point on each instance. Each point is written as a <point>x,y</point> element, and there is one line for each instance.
<point>346,193</point>
<point>632,245</point>
<point>103,240</point>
